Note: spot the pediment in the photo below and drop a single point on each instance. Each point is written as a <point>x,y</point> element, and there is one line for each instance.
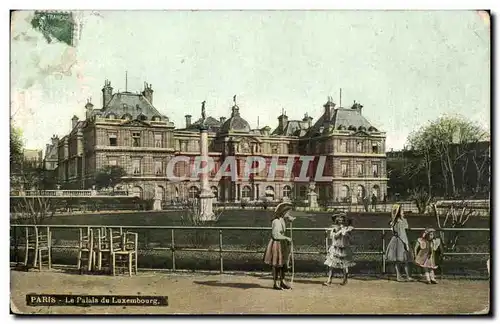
<point>135,123</point>
<point>361,133</point>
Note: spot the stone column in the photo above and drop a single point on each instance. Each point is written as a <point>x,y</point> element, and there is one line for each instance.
<point>206,195</point>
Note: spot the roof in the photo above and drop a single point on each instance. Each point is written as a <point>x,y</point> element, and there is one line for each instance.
<point>236,123</point>
<point>212,124</point>
<point>128,103</point>
<point>292,128</point>
<point>342,118</point>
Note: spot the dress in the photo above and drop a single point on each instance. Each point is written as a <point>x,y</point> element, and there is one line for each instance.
<point>398,249</point>
<point>426,252</point>
<point>340,253</point>
<point>278,249</point>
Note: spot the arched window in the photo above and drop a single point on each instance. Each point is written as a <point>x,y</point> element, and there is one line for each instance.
<point>127,117</point>
<point>156,118</point>
<point>246,192</point>
<point>111,116</point>
<point>142,117</point>
<point>287,191</point>
<point>360,192</point>
<point>136,191</point>
<point>376,191</point>
<point>193,192</point>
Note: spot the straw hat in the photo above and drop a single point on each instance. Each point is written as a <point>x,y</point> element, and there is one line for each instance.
<point>395,210</point>
<point>282,208</point>
<point>427,231</point>
<point>339,217</point>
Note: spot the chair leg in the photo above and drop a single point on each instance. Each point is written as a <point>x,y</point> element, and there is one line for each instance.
<point>40,259</point>
<point>26,253</point>
<point>35,261</point>
<point>99,261</point>
<point>79,262</point>
<point>113,263</point>
<point>135,257</point>
<point>130,264</point>
<point>49,251</point>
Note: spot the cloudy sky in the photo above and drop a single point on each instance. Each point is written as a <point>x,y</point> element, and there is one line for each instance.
<point>406,68</point>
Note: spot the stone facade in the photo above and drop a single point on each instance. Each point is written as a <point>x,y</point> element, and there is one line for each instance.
<point>128,131</point>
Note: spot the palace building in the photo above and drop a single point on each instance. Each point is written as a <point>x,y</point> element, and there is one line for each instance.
<point>129,131</point>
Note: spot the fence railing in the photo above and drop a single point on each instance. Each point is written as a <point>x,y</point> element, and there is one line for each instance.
<point>173,247</point>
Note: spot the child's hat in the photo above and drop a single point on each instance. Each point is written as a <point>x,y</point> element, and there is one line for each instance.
<point>427,231</point>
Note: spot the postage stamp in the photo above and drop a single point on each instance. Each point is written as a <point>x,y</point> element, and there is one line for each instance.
<point>55,26</point>
<point>285,162</point>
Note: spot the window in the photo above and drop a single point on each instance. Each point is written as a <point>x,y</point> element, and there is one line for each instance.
<point>375,170</point>
<point>136,166</point>
<point>112,161</point>
<point>375,147</point>
<point>287,191</point>
<point>113,141</point>
<point>158,167</point>
<point>344,169</point>
<point>136,138</point>
<point>303,191</point>
<point>246,192</point>
<point>158,140</point>
<point>343,146</point>
<point>193,192</point>
<point>344,193</point>
<point>360,170</point>
<point>359,147</point>
<point>111,116</point>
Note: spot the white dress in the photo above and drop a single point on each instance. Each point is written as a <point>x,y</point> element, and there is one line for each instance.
<point>340,254</point>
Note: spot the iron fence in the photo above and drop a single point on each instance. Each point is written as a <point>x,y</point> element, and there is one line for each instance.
<point>174,248</point>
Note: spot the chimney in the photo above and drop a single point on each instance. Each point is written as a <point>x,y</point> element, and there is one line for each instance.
<point>89,107</point>
<point>47,148</point>
<point>107,93</point>
<point>222,120</point>
<point>357,106</point>
<point>307,119</point>
<point>74,121</point>
<point>148,92</point>
<point>188,120</point>
<point>329,106</point>
<point>282,120</point>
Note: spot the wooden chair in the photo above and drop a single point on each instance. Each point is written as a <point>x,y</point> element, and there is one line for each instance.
<point>123,252</point>
<point>85,249</point>
<point>38,240</point>
<point>102,245</point>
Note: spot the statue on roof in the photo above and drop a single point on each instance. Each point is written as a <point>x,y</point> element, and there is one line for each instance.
<point>234,99</point>
<point>203,114</point>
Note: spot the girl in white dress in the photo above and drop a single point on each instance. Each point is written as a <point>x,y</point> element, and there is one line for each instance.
<point>339,254</point>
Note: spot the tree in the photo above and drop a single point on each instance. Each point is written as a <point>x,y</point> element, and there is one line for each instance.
<point>446,147</point>
<point>109,176</point>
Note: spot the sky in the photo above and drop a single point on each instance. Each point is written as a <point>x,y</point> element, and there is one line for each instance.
<point>405,67</point>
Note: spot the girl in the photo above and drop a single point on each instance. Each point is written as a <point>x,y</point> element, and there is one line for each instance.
<point>398,249</point>
<point>339,254</point>
<point>426,253</point>
<point>278,250</point>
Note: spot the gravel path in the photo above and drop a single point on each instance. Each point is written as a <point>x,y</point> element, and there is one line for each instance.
<point>251,294</point>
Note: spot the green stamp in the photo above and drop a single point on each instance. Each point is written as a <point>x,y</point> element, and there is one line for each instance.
<point>55,26</point>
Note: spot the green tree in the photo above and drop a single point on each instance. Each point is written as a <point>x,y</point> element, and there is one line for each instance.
<point>109,176</point>
<point>447,143</point>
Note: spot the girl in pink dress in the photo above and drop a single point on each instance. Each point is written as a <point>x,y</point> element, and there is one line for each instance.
<point>427,249</point>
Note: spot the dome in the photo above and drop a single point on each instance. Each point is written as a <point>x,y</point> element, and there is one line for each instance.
<point>235,123</point>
